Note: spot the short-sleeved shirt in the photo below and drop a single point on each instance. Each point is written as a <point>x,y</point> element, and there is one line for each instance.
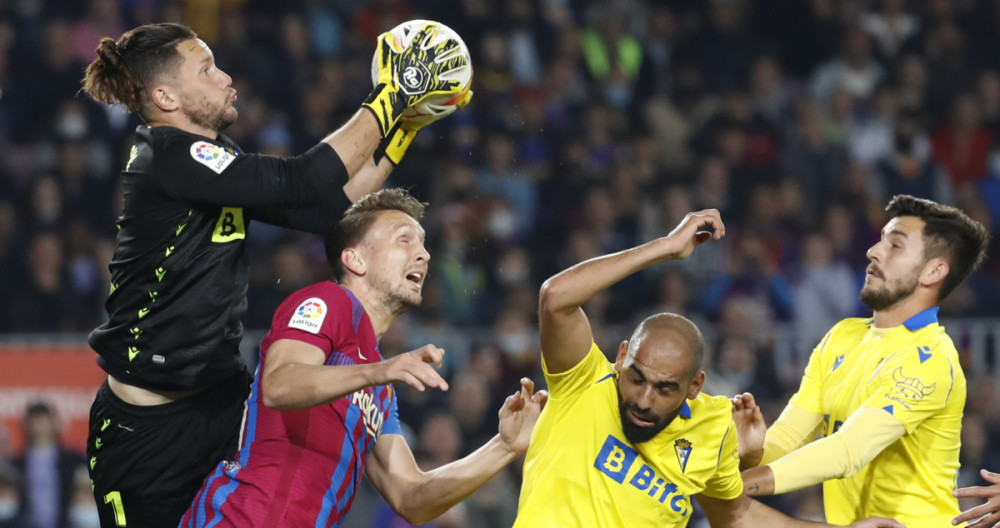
<point>580,471</point>
<point>912,372</point>
<point>302,467</point>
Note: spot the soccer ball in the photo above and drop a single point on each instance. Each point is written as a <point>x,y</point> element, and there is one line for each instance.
<point>436,107</point>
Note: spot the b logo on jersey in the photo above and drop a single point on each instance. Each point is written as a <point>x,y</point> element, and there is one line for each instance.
<point>309,315</point>
<point>616,460</point>
<point>211,156</point>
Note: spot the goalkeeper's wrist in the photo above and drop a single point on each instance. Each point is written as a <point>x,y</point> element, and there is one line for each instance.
<point>386,104</point>
<point>395,145</point>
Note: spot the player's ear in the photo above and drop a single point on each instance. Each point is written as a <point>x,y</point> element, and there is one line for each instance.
<point>164,98</point>
<point>934,272</point>
<point>353,262</point>
<point>696,384</point>
<point>622,353</point>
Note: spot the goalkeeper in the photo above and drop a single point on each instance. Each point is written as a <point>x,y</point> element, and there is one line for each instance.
<point>174,398</point>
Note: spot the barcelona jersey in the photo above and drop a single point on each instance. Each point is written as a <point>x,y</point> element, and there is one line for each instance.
<point>580,471</point>
<point>302,467</point>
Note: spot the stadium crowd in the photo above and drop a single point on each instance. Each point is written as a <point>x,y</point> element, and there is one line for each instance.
<point>595,125</point>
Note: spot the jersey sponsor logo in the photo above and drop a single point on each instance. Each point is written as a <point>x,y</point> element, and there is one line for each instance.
<point>211,156</point>
<point>370,412</point>
<point>908,391</point>
<point>682,447</point>
<point>230,226</point>
<point>617,460</point>
<point>309,315</point>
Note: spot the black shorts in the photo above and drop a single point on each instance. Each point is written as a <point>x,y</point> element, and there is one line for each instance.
<point>147,463</point>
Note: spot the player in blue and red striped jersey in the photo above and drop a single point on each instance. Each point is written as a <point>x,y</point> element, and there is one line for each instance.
<point>322,410</point>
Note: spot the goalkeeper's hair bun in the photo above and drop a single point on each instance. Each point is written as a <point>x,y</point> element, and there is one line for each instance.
<point>123,68</point>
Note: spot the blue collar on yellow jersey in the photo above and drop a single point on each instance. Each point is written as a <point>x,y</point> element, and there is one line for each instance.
<point>922,319</point>
<point>685,411</point>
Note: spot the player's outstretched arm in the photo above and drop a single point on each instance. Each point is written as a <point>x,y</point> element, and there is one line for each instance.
<point>744,512</point>
<point>986,515</point>
<point>420,496</point>
<point>565,331</point>
<point>294,376</point>
<point>862,437</point>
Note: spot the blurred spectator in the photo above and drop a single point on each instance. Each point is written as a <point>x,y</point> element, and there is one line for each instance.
<point>82,509</point>
<point>891,27</point>
<point>49,469</point>
<point>752,275</point>
<point>11,513</point>
<point>38,300</point>
<point>825,293</point>
<point>910,169</point>
<point>962,143</point>
<point>855,70</point>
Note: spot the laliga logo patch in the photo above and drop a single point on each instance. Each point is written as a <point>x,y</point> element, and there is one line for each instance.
<point>309,315</point>
<point>211,156</point>
<point>415,79</point>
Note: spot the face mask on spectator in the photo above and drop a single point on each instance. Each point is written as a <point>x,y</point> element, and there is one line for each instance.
<point>84,516</point>
<point>72,126</point>
<point>8,509</point>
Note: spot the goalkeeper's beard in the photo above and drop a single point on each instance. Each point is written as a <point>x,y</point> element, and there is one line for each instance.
<point>204,116</point>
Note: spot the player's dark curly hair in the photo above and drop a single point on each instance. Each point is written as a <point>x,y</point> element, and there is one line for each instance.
<point>949,234</point>
<point>359,218</point>
<point>123,69</point>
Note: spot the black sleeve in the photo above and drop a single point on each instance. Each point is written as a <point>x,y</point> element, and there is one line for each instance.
<point>198,171</point>
<point>318,219</point>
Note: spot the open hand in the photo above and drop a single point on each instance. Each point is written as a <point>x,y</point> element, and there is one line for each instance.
<point>415,368</point>
<point>518,416</point>
<point>986,515</point>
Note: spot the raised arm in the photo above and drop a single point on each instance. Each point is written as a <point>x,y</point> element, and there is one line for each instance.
<point>321,218</point>
<point>294,377</point>
<point>420,496</point>
<point>566,333</point>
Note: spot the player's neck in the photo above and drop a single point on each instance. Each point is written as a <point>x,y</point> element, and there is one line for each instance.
<point>902,311</point>
<point>180,122</point>
<point>381,316</point>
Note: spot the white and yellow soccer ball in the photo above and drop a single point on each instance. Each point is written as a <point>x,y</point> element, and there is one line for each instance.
<point>436,106</point>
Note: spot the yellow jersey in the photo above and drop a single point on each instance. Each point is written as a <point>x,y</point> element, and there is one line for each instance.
<point>581,472</point>
<point>912,372</point>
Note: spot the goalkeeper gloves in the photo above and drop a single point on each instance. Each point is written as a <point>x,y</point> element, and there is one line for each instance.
<point>407,76</point>
<point>394,145</point>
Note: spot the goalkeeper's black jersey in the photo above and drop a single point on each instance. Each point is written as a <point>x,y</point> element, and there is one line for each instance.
<point>179,273</point>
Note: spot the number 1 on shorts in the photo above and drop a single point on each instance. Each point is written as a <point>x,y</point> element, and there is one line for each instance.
<point>115,498</point>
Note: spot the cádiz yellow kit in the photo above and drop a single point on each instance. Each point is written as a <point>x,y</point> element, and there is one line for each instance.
<point>581,472</point>
<point>911,372</point>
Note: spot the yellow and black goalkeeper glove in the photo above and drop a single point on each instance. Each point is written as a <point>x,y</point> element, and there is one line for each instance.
<point>394,145</point>
<point>435,112</point>
<point>406,76</point>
